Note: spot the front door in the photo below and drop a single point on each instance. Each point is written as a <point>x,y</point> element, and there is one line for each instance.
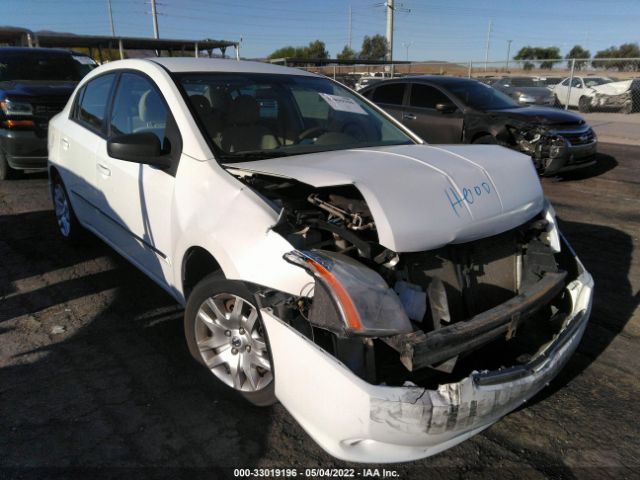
<point>433,125</point>
<point>137,198</point>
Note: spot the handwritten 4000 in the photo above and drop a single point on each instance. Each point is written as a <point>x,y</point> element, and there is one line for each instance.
<point>469,195</point>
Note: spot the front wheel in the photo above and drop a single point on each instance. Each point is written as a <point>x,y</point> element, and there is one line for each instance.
<point>6,172</point>
<point>224,332</point>
<point>584,104</point>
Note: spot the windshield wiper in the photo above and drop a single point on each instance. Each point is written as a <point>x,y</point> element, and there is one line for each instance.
<point>251,155</point>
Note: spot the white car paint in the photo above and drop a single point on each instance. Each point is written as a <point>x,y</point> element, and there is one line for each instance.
<point>489,189</point>
<point>580,88</point>
<point>406,187</point>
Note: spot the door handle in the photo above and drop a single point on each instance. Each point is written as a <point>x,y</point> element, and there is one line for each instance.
<point>65,144</point>
<point>408,116</point>
<point>104,170</point>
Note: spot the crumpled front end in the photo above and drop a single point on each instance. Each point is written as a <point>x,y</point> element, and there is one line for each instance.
<point>555,149</point>
<point>356,420</point>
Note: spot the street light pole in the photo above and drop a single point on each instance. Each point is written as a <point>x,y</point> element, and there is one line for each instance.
<point>508,52</point>
<point>113,30</point>
<point>154,16</point>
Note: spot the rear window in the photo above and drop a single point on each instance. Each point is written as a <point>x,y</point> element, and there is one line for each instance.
<point>38,65</point>
<point>391,94</point>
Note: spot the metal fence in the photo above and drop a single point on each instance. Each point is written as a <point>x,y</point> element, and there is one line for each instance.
<point>589,85</point>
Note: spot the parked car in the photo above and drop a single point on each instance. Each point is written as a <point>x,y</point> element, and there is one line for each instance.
<point>548,81</point>
<point>525,90</point>
<point>580,93</point>
<point>462,110</point>
<point>622,96</point>
<point>35,84</point>
<point>325,256</point>
<point>370,79</point>
<point>84,61</point>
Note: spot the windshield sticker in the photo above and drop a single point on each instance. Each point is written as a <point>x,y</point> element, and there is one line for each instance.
<point>342,104</point>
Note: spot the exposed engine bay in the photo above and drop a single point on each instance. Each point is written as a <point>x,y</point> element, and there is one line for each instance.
<point>548,150</point>
<point>414,317</point>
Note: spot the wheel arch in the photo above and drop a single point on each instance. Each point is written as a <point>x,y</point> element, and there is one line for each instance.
<point>197,263</point>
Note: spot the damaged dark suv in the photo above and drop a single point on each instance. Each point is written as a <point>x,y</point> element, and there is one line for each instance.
<point>462,110</point>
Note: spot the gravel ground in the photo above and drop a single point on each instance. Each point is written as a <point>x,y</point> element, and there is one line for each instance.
<point>96,380</point>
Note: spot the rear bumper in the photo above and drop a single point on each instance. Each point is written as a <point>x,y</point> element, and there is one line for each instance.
<point>356,421</point>
<point>23,149</point>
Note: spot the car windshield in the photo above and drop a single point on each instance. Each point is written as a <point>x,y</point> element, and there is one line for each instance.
<point>480,96</point>
<point>248,116</point>
<point>37,65</point>
<point>595,81</point>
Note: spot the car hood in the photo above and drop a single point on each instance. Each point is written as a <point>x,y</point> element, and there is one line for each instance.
<point>539,115</point>
<point>613,88</point>
<point>33,88</point>
<point>423,197</point>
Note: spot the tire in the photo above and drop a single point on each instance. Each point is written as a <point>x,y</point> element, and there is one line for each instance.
<point>68,225</point>
<point>584,105</point>
<point>221,333</point>
<point>485,140</point>
<point>627,108</point>
<point>6,172</point>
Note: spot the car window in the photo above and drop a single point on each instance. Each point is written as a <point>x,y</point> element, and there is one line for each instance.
<point>565,82</point>
<point>252,115</point>
<point>391,94</point>
<point>425,96</point>
<point>138,107</point>
<point>576,83</point>
<point>92,107</point>
<point>27,64</point>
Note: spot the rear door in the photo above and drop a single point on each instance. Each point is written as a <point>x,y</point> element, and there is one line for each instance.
<point>421,115</point>
<point>78,142</point>
<point>390,96</point>
<point>561,91</point>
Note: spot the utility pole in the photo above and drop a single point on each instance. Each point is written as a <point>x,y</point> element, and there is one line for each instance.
<point>508,52</point>
<point>349,43</point>
<point>389,6</point>
<point>154,16</point>
<point>486,57</point>
<point>407,45</point>
<point>113,30</point>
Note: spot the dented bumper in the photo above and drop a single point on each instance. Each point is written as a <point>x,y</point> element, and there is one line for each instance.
<point>356,421</point>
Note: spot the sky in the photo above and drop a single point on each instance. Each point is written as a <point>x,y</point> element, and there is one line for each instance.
<point>452,30</point>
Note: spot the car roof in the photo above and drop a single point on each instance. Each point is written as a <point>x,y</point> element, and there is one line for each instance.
<point>190,64</point>
<point>435,79</point>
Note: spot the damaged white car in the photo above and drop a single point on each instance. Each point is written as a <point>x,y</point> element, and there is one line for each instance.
<point>395,297</point>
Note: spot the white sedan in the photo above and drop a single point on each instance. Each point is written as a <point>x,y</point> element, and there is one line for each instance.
<point>395,297</point>
<point>580,93</point>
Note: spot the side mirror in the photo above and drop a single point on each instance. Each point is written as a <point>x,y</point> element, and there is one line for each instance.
<point>446,107</point>
<point>138,148</point>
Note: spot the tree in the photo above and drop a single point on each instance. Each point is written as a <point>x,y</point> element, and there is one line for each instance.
<point>547,54</point>
<point>315,49</point>
<point>626,50</point>
<point>578,52</point>
<point>347,54</point>
<point>374,48</point>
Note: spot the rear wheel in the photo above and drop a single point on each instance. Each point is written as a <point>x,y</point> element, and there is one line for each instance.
<point>627,107</point>
<point>68,224</point>
<point>584,104</point>
<point>225,333</point>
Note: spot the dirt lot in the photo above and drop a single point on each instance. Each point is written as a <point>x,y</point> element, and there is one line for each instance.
<point>95,376</point>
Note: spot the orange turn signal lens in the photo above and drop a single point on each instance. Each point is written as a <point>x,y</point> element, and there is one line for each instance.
<point>349,309</point>
<point>19,123</point>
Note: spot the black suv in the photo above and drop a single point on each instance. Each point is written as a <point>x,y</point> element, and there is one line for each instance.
<point>35,84</point>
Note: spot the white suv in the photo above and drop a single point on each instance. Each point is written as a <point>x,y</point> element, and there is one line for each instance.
<point>325,256</point>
